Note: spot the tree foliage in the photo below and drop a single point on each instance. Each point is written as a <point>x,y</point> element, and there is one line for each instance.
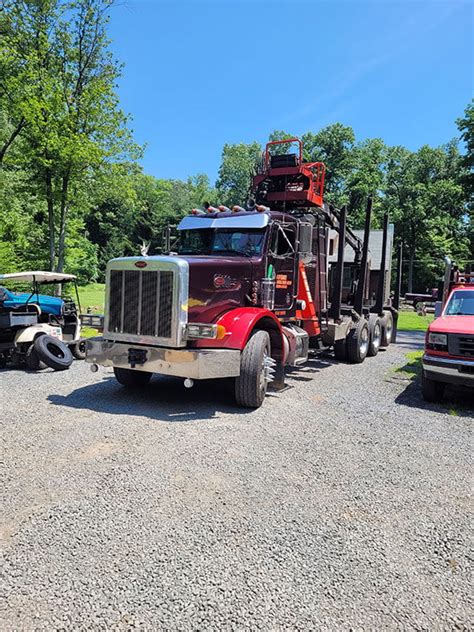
<point>72,195</point>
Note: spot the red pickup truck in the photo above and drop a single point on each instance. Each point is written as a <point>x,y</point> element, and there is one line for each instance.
<point>449,343</point>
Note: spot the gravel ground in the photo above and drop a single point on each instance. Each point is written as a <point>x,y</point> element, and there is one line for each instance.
<point>344,502</point>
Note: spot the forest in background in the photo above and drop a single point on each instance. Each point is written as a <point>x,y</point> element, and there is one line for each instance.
<point>73,194</point>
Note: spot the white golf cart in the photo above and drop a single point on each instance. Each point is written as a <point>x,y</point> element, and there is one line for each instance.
<point>39,329</point>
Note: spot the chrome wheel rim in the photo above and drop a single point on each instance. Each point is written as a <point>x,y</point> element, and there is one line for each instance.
<point>377,336</point>
<point>364,340</point>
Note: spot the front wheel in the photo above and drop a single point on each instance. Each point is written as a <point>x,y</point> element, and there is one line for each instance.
<point>255,369</point>
<point>432,390</point>
<point>131,378</point>
<point>32,360</point>
<point>79,350</point>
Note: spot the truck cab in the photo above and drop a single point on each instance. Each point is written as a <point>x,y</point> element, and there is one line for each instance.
<point>449,345</point>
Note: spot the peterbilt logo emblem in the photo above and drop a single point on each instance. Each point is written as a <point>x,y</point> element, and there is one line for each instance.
<point>141,264</point>
<point>223,282</point>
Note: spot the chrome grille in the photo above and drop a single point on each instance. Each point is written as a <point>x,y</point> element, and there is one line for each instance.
<point>141,302</point>
<point>461,345</point>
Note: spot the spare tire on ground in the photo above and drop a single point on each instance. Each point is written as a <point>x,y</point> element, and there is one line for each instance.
<point>53,352</point>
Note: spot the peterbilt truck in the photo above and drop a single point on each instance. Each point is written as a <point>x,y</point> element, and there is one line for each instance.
<point>244,294</point>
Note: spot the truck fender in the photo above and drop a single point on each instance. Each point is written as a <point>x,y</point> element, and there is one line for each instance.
<point>29,334</point>
<point>241,322</point>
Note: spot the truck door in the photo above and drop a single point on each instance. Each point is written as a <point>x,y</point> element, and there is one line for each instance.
<point>283,258</point>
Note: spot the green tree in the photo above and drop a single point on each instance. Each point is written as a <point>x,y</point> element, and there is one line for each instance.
<point>57,52</point>
<point>427,204</point>
<point>238,165</point>
<point>466,127</point>
<point>333,145</point>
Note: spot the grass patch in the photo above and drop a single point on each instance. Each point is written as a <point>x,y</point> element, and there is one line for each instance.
<point>412,368</point>
<point>92,297</point>
<point>411,321</point>
<point>88,332</point>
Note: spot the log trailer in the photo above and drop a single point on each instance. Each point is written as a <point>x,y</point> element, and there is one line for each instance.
<point>246,293</point>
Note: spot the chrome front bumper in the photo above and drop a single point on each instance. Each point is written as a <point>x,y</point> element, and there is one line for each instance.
<point>449,370</point>
<point>197,364</point>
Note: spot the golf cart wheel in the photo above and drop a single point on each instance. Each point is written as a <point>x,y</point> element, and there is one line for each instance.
<point>32,359</point>
<point>375,332</point>
<point>358,342</point>
<point>79,350</point>
<point>432,390</point>
<point>251,385</point>
<point>131,378</point>
<point>387,329</point>
<point>53,352</point>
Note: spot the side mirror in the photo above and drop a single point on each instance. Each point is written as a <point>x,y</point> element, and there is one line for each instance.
<point>305,241</point>
<point>438,309</point>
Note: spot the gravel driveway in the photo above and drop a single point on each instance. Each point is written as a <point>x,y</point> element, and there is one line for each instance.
<point>343,502</point>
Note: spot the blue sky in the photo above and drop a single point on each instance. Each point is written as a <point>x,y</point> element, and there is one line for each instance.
<point>199,74</point>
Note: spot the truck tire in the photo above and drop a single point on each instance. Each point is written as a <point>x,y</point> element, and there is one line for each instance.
<point>131,378</point>
<point>53,352</point>
<point>387,329</point>
<point>79,350</point>
<point>432,390</point>
<point>340,350</point>
<point>358,342</point>
<point>32,359</point>
<point>251,385</point>
<point>375,333</point>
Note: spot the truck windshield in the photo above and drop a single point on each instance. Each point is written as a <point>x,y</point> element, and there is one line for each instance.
<point>221,241</point>
<point>461,303</point>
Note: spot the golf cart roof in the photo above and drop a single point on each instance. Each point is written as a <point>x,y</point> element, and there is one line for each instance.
<point>38,276</point>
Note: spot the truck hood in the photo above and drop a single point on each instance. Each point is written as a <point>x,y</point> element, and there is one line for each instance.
<point>216,285</point>
<point>48,304</point>
<point>453,325</point>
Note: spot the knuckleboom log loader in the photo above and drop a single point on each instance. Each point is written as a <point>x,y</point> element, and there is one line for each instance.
<point>246,293</point>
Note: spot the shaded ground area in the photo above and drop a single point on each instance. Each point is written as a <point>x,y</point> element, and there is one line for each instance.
<point>344,501</point>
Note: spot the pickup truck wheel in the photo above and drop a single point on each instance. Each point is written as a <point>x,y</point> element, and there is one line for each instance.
<point>432,390</point>
<point>387,329</point>
<point>375,333</point>
<point>255,369</point>
<point>79,350</point>
<point>358,342</point>
<point>53,352</point>
<point>131,378</point>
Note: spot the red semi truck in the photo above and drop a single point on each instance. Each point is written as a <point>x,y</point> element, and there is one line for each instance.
<point>449,343</point>
<point>245,293</point>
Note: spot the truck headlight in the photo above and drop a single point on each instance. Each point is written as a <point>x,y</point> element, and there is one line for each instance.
<point>438,339</point>
<point>196,330</point>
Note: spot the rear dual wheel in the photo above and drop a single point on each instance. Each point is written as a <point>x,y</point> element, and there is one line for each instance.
<point>375,333</point>
<point>387,329</point>
<point>358,340</point>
